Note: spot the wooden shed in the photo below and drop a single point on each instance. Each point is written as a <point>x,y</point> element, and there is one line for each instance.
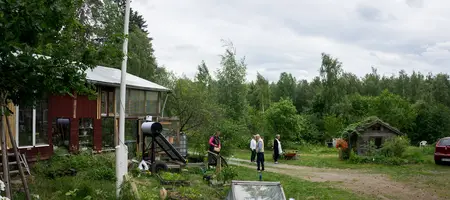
<point>373,129</point>
<point>76,123</point>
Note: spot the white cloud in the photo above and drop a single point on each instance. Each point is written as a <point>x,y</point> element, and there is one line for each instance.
<point>289,35</point>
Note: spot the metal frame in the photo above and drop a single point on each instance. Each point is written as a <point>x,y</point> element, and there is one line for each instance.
<point>155,142</point>
<point>261,183</point>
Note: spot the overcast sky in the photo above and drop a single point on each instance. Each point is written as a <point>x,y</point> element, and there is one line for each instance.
<point>289,35</point>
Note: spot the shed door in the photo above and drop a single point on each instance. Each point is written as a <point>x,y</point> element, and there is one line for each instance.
<point>378,142</point>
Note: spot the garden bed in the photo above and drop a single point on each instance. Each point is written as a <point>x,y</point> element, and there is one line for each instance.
<point>167,178</point>
<point>149,187</point>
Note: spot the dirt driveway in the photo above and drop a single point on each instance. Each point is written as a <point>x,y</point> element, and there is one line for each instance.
<point>376,185</point>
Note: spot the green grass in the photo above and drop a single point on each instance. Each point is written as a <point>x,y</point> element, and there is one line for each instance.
<point>149,187</point>
<point>294,188</point>
<point>95,178</point>
<point>298,188</point>
<point>424,175</point>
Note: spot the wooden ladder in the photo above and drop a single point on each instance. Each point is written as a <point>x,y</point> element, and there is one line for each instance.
<point>22,161</point>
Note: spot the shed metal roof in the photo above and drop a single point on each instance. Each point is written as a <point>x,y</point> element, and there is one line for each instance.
<point>111,77</point>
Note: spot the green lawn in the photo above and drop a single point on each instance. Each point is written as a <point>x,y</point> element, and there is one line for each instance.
<point>299,188</point>
<point>293,187</point>
<point>95,180</point>
<point>426,175</point>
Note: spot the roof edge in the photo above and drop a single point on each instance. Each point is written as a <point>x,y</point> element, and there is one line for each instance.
<point>128,86</point>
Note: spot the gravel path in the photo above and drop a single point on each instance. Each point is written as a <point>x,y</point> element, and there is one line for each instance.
<point>377,185</point>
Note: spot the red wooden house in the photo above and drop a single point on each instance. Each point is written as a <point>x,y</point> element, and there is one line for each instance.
<point>82,124</point>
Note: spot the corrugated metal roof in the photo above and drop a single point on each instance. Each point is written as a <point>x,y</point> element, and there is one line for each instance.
<point>110,76</point>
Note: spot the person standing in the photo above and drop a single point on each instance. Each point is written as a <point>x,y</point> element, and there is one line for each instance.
<point>260,153</point>
<point>277,151</point>
<point>214,147</point>
<point>253,149</point>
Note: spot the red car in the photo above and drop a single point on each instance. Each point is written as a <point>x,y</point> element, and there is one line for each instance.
<point>442,152</point>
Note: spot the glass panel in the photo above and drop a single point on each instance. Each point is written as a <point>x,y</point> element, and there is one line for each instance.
<point>107,133</point>
<point>61,132</point>
<point>117,101</point>
<point>41,122</point>
<point>257,191</point>
<point>444,142</point>
<point>134,102</point>
<point>25,126</point>
<point>151,102</point>
<point>128,103</point>
<point>111,102</point>
<point>85,133</point>
<point>131,132</point>
<point>137,100</point>
<point>104,100</point>
<point>141,103</point>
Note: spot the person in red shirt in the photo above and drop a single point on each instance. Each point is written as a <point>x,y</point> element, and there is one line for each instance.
<point>214,146</point>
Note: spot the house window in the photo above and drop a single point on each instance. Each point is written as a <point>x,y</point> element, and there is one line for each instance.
<point>378,141</point>
<point>151,102</point>
<point>108,133</point>
<point>103,102</point>
<point>133,102</point>
<point>139,102</point>
<point>33,124</point>
<point>131,134</point>
<point>61,132</point>
<point>86,130</point>
<point>41,122</point>
<point>26,126</point>
<point>110,103</point>
<point>107,103</point>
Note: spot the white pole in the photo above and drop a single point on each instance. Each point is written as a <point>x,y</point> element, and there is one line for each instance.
<point>121,149</point>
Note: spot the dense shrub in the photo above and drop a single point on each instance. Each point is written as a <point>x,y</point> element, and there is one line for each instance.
<point>395,151</point>
<point>94,177</point>
<point>102,173</point>
<point>377,159</point>
<point>282,118</point>
<point>99,167</point>
<point>419,154</point>
<point>395,146</point>
<point>227,174</point>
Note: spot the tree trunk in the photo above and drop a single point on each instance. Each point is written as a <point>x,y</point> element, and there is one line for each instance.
<point>16,153</point>
<point>5,156</point>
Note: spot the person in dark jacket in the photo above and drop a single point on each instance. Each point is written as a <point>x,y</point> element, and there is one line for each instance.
<point>214,146</point>
<point>277,151</point>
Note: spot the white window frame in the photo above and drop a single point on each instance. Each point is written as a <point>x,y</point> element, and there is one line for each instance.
<point>33,129</point>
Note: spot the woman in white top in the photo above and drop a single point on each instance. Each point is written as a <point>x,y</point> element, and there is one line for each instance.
<point>253,149</point>
<point>277,151</point>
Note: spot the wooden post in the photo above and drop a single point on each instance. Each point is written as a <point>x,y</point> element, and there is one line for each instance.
<point>5,163</point>
<point>219,164</point>
<point>16,153</point>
